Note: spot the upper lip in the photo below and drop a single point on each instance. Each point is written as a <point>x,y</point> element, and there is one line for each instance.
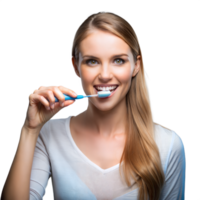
<point>105,85</point>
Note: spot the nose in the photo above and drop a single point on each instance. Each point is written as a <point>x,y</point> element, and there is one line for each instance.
<point>105,73</point>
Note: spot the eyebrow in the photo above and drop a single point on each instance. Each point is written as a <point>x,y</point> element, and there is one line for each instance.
<point>112,56</point>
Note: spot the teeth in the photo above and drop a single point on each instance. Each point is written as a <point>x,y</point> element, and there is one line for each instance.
<point>106,88</point>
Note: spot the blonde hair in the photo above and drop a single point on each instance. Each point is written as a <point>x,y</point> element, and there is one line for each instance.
<point>141,159</point>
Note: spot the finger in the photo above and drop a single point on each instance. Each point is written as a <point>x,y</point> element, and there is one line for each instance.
<point>51,98</point>
<point>59,95</point>
<point>34,91</point>
<point>68,102</point>
<point>41,88</point>
<point>45,102</point>
<point>47,93</point>
<point>67,91</point>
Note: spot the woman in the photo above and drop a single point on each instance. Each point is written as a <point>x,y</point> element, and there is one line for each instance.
<point>112,150</point>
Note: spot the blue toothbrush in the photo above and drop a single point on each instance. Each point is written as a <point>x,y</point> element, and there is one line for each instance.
<point>100,94</point>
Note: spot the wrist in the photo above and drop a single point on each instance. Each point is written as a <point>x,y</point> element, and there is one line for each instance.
<point>30,133</point>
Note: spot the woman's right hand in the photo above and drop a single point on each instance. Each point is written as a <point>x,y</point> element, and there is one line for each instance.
<point>40,110</point>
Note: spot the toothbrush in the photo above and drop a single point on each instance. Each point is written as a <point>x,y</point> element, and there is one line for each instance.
<point>100,94</point>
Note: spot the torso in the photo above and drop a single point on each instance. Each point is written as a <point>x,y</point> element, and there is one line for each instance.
<point>104,152</point>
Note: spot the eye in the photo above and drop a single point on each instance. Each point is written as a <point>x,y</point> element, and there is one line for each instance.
<point>119,59</point>
<point>91,62</point>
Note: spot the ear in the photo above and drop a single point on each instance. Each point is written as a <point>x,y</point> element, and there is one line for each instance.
<point>137,66</point>
<point>75,66</point>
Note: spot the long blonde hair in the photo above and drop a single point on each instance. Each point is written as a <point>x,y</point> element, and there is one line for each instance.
<point>141,159</point>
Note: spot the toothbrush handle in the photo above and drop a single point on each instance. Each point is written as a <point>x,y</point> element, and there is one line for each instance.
<point>70,98</point>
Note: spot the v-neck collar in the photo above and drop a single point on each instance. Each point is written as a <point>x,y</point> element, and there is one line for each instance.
<point>83,155</point>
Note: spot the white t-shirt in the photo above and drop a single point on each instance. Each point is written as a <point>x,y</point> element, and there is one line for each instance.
<point>75,177</point>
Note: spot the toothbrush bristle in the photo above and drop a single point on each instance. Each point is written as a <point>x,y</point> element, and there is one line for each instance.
<point>105,93</point>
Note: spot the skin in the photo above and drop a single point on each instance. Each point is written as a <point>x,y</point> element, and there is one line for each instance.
<point>99,132</point>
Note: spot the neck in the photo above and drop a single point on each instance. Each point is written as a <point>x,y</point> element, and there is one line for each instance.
<point>106,123</point>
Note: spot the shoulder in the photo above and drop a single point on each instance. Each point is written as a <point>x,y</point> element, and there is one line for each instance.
<point>172,156</point>
<point>162,135</point>
<point>170,145</point>
<point>167,138</point>
<point>54,128</point>
<point>54,137</point>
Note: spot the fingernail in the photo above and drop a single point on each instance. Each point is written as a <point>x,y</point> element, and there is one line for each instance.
<point>48,108</point>
<point>52,105</point>
<point>62,104</point>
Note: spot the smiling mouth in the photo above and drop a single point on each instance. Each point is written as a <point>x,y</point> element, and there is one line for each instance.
<point>106,90</point>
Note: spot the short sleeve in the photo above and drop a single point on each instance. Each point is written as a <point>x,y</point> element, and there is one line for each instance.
<point>41,170</point>
<point>174,186</point>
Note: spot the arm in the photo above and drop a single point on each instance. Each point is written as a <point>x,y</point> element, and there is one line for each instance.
<point>174,186</point>
<point>18,181</point>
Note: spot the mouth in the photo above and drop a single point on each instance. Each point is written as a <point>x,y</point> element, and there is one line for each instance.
<point>112,92</point>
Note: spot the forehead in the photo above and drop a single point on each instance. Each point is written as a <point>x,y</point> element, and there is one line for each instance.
<point>101,43</point>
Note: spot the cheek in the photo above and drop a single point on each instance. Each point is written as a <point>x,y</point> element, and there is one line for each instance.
<point>87,76</point>
<point>124,75</point>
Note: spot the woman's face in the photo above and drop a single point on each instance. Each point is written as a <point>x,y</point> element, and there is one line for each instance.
<point>105,62</point>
